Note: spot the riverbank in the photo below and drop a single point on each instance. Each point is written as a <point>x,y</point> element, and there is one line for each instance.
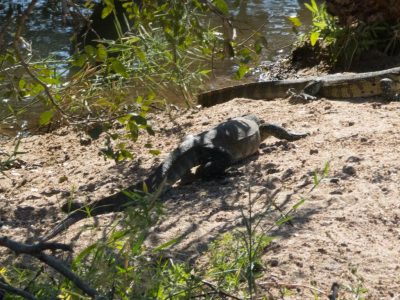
<point>346,231</point>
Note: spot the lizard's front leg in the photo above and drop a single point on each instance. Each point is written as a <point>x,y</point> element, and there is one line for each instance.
<point>309,93</point>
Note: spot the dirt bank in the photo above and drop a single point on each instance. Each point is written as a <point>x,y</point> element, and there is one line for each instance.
<point>347,231</point>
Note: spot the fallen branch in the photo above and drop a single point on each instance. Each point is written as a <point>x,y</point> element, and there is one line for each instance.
<point>32,249</point>
<point>58,265</point>
<point>8,288</point>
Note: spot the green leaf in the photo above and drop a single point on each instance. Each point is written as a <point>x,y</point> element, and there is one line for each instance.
<point>106,11</point>
<point>95,131</point>
<point>283,220</point>
<point>325,172</point>
<point>142,56</point>
<point>145,188</point>
<point>167,244</point>
<point>119,68</point>
<point>314,5</point>
<point>154,151</point>
<point>117,235</point>
<point>258,47</point>
<point>101,53</point>
<point>243,69</point>
<point>320,25</point>
<point>298,204</point>
<point>84,253</point>
<point>133,131</point>
<point>295,21</point>
<point>133,40</point>
<point>150,130</point>
<point>221,5</point>
<point>136,249</point>
<point>49,80</point>
<point>315,178</point>
<point>124,154</point>
<point>314,38</point>
<point>90,50</point>
<point>35,89</point>
<point>310,8</point>
<point>78,60</point>
<point>139,119</point>
<point>45,117</point>
<point>21,84</point>
<point>204,72</point>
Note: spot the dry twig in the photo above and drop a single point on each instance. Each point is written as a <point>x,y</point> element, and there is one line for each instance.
<point>36,251</point>
<point>5,287</point>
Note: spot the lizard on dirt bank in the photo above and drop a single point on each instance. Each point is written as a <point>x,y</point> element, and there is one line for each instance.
<point>213,151</point>
<point>337,86</point>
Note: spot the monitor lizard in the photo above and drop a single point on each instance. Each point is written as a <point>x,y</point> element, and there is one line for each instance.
<point>336,86</point>
<point>213,151</point>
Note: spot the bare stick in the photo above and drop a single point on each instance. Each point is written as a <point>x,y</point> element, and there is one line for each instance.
<point>36,251</point>
<point>32,249</point>
<point>8,288</point>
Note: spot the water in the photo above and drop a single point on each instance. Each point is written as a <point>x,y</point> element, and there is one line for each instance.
<point>270,18</point>
<point>273,13</point>
<point>49,36</point>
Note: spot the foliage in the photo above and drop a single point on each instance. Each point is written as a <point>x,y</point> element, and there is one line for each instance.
<point>235,258</point>
<point>166,53</point>
<point>233,262</point>
<point>345,45</point>
<point>10,159</point>
<point>122,266</point>
<point>356,287</point>
<point>323,24</point>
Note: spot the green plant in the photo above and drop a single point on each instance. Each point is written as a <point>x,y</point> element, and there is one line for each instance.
<point>10,158</point>
<point>235,258</point>
<point>343,45</point>
<point>166,53</point>
<point>323,24</point>
<point>122,266</point>
<point>356,288</point>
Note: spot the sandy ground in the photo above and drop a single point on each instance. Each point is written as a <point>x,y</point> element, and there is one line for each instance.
<point>347,231</point>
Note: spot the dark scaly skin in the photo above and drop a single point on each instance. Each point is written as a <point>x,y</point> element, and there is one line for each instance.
<point>388,87</point>
<point>213,150</point>
<point>337,86</point>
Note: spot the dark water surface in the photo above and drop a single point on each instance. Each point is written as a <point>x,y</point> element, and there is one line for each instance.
<point>49,36</point>
<point>270,18</point>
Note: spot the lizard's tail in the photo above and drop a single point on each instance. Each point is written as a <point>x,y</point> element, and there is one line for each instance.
<point>112,203</point>
<point>279,132</point>
<point>64,224</point>
<point>267,90</point>
<point>177,164</point>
